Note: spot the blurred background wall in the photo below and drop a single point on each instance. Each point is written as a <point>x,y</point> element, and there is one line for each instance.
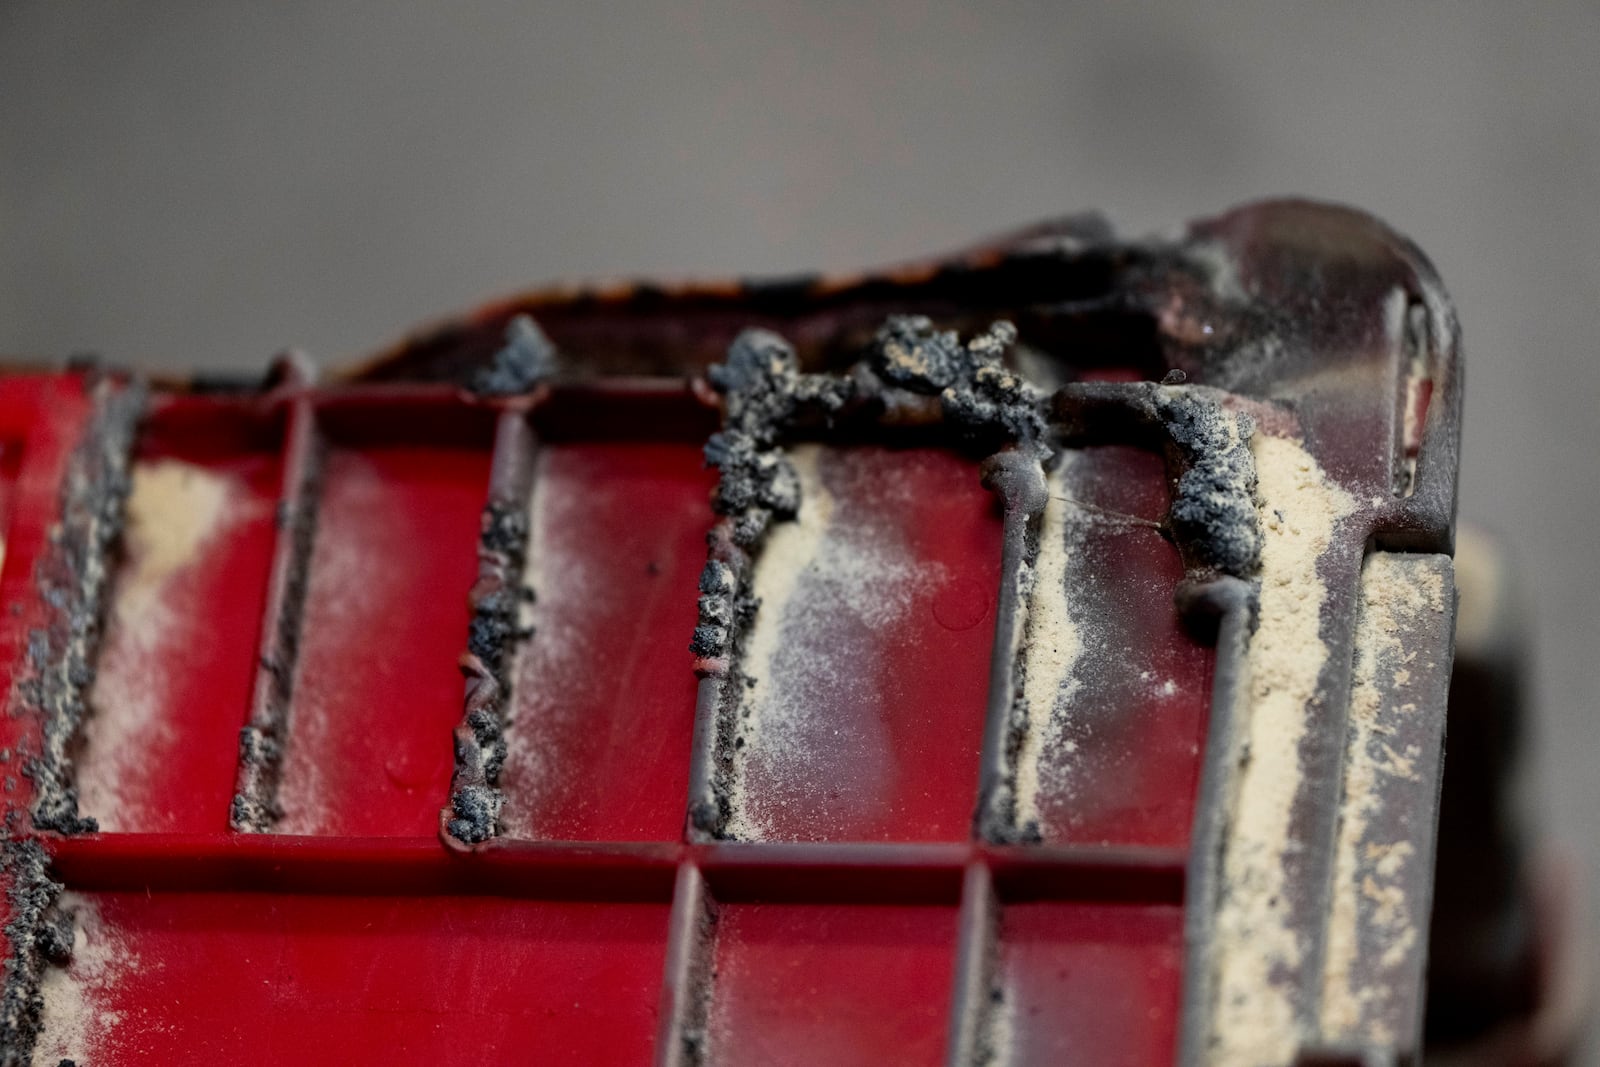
<point>201,185</point>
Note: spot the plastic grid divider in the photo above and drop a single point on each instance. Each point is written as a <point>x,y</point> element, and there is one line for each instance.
<point>697,878</point>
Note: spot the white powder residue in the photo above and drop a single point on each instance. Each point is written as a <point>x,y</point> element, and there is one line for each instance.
<point>76,1025</point>
<point>342,595</point>
<point>828,582</point>
<point>1397,595</point>
<point>1053,644</point>
<point>1254,1021</point>
<point>174,510</point>
<point>792,550</point>
<point>561,575</point>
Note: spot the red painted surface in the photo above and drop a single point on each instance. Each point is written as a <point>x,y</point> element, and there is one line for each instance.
<point>603,708</point>
<point>178,661</point>
<point>41,418</point>
<point>353,935</point>
<point>378,692</point>
<point>249,978</point>
<point>356,935</point>
<point>884,662</point>
<point>1091,983</point>
<point>1126,768</point>
<point>845,984</point>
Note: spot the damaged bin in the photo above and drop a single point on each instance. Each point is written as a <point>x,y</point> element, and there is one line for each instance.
<point>1036,656</point>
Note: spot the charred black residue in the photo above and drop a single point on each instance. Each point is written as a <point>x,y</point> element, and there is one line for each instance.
<point>255,806</point>
<point>1212,519</point>
<point>978,393</point>
<point>527,358</point>
<point>718,611</point>
<point>39,936</point>
<point>765,397</point>
<point>1213,515</point>
<point>72,579</point>
<point>727,608</point>
<point>1213,511</point>
<point>496,599</point>
<point>984,405</point>
<point>914,377</point>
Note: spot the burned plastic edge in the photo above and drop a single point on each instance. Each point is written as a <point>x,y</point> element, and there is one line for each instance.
<point>1239,301</point>
<point>496,600</point>
<point>1068,258</point>
<point>1229,601</point>
<point>72,580</point>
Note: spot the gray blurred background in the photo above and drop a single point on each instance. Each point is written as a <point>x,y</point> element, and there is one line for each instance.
<point>202,185</point>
